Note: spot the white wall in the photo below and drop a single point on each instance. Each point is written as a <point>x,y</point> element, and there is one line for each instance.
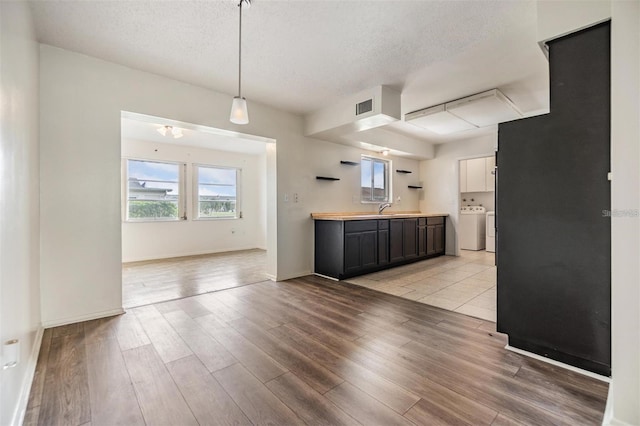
<point>625,197</point>
<point>441,180</point>
<point>81,102</point>
<point>156,240</point>
<point>19,209</point>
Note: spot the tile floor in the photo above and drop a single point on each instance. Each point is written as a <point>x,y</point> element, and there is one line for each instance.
<point>465,284</point>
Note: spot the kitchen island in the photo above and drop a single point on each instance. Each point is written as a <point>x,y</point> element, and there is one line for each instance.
<point>351,244</point>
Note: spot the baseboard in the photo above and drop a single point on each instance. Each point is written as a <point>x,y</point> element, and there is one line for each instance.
<point>21,408</point>
<point>271,277</point>
<point>609,417</point>
<point>559,364</point>
<point>294,275</point>
<point>80,318</point>
<point>194,253</point>
<point>326,277</point>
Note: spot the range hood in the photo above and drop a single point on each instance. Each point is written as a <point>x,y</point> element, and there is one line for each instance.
<point>479,110</point>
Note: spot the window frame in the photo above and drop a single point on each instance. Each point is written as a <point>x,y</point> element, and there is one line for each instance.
<point>196,191</point>
<point>182,196</point>
<point>387,176</point>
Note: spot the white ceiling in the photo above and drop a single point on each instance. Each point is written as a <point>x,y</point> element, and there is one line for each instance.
<point>300,56</point>
<point>145,128</point>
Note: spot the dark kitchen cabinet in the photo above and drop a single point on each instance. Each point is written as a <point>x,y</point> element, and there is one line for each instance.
<point>404,239</point>
<point>439,239</point>
<point>430,239</point>
<point>430,236</point>
<point>360,245</point>
<point>396,249</point>
<point>360,251</point>
<point>422,240</point>
<point>383,242</point>
<point>410,240</point>
<point>345,249</point>
<point>435,235</point>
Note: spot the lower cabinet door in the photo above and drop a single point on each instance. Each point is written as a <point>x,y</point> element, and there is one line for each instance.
<point>383,247</point>
<point>439,239</point>
<point>352,253</point>
<point>360,251</point>
<point>410,238</point>
<point>431,240</point>
<point>369,249</point>
<point>396,252</point>
<point>422,241</point>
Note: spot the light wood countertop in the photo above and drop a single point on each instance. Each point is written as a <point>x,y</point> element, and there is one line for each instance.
<point>365,215</point>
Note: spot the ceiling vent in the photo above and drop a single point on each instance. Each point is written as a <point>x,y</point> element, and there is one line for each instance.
<point>366,106</point>
<point>366,110</point>
<point>480,110</point>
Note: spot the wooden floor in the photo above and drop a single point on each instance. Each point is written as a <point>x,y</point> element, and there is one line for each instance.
<point>304,351</point>
<point>160,280</point>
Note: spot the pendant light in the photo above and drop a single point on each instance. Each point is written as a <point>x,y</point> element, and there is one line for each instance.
<point>239,113</point>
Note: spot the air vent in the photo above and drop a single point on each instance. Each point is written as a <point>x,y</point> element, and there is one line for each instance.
<point>365,106</point>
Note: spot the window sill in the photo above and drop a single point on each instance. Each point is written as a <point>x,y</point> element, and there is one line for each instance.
<point>206,219</point>
<point>153,220</point>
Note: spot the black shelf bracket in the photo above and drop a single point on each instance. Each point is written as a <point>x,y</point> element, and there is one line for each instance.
<point>414,187</point>
<point>349,163</point>
<point>326,178</point>
<point>403,171</point>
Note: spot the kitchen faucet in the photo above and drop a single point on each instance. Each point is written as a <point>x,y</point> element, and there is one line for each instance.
<point>383,206</point>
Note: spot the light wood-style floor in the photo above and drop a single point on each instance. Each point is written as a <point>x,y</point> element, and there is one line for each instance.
<point>160,280</point>
<point>304,351</point>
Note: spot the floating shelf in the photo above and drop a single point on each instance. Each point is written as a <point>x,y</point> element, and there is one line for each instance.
<point>326,178</point>
<point>349,163</point>
<point>414,187</point>
<point>403,171</point>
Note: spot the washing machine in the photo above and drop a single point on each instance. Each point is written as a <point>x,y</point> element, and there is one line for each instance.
<point>473,225</point>
<point>491,232</point>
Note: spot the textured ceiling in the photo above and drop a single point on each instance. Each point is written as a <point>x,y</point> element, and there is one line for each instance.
<point>303,55</point>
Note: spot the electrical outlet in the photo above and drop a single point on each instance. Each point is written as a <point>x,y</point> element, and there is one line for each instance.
<point>295,197</point>
<point>286,198</point>
<point>398,200</point>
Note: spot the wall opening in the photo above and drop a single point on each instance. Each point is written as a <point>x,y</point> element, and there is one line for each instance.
<point>194,209</point>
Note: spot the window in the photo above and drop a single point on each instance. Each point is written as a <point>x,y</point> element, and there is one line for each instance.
<point>217,192</point>
<point>374,180</point>
<point>154,190</point>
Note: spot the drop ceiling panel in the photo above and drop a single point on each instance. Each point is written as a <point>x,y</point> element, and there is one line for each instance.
<point>485,109</point>
<point>438,120</point>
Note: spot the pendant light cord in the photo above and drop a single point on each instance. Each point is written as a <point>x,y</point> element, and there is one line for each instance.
<point>240,53</point>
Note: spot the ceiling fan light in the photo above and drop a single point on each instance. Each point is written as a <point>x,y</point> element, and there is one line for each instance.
<point>239,113</point>
<point>177,133</point>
